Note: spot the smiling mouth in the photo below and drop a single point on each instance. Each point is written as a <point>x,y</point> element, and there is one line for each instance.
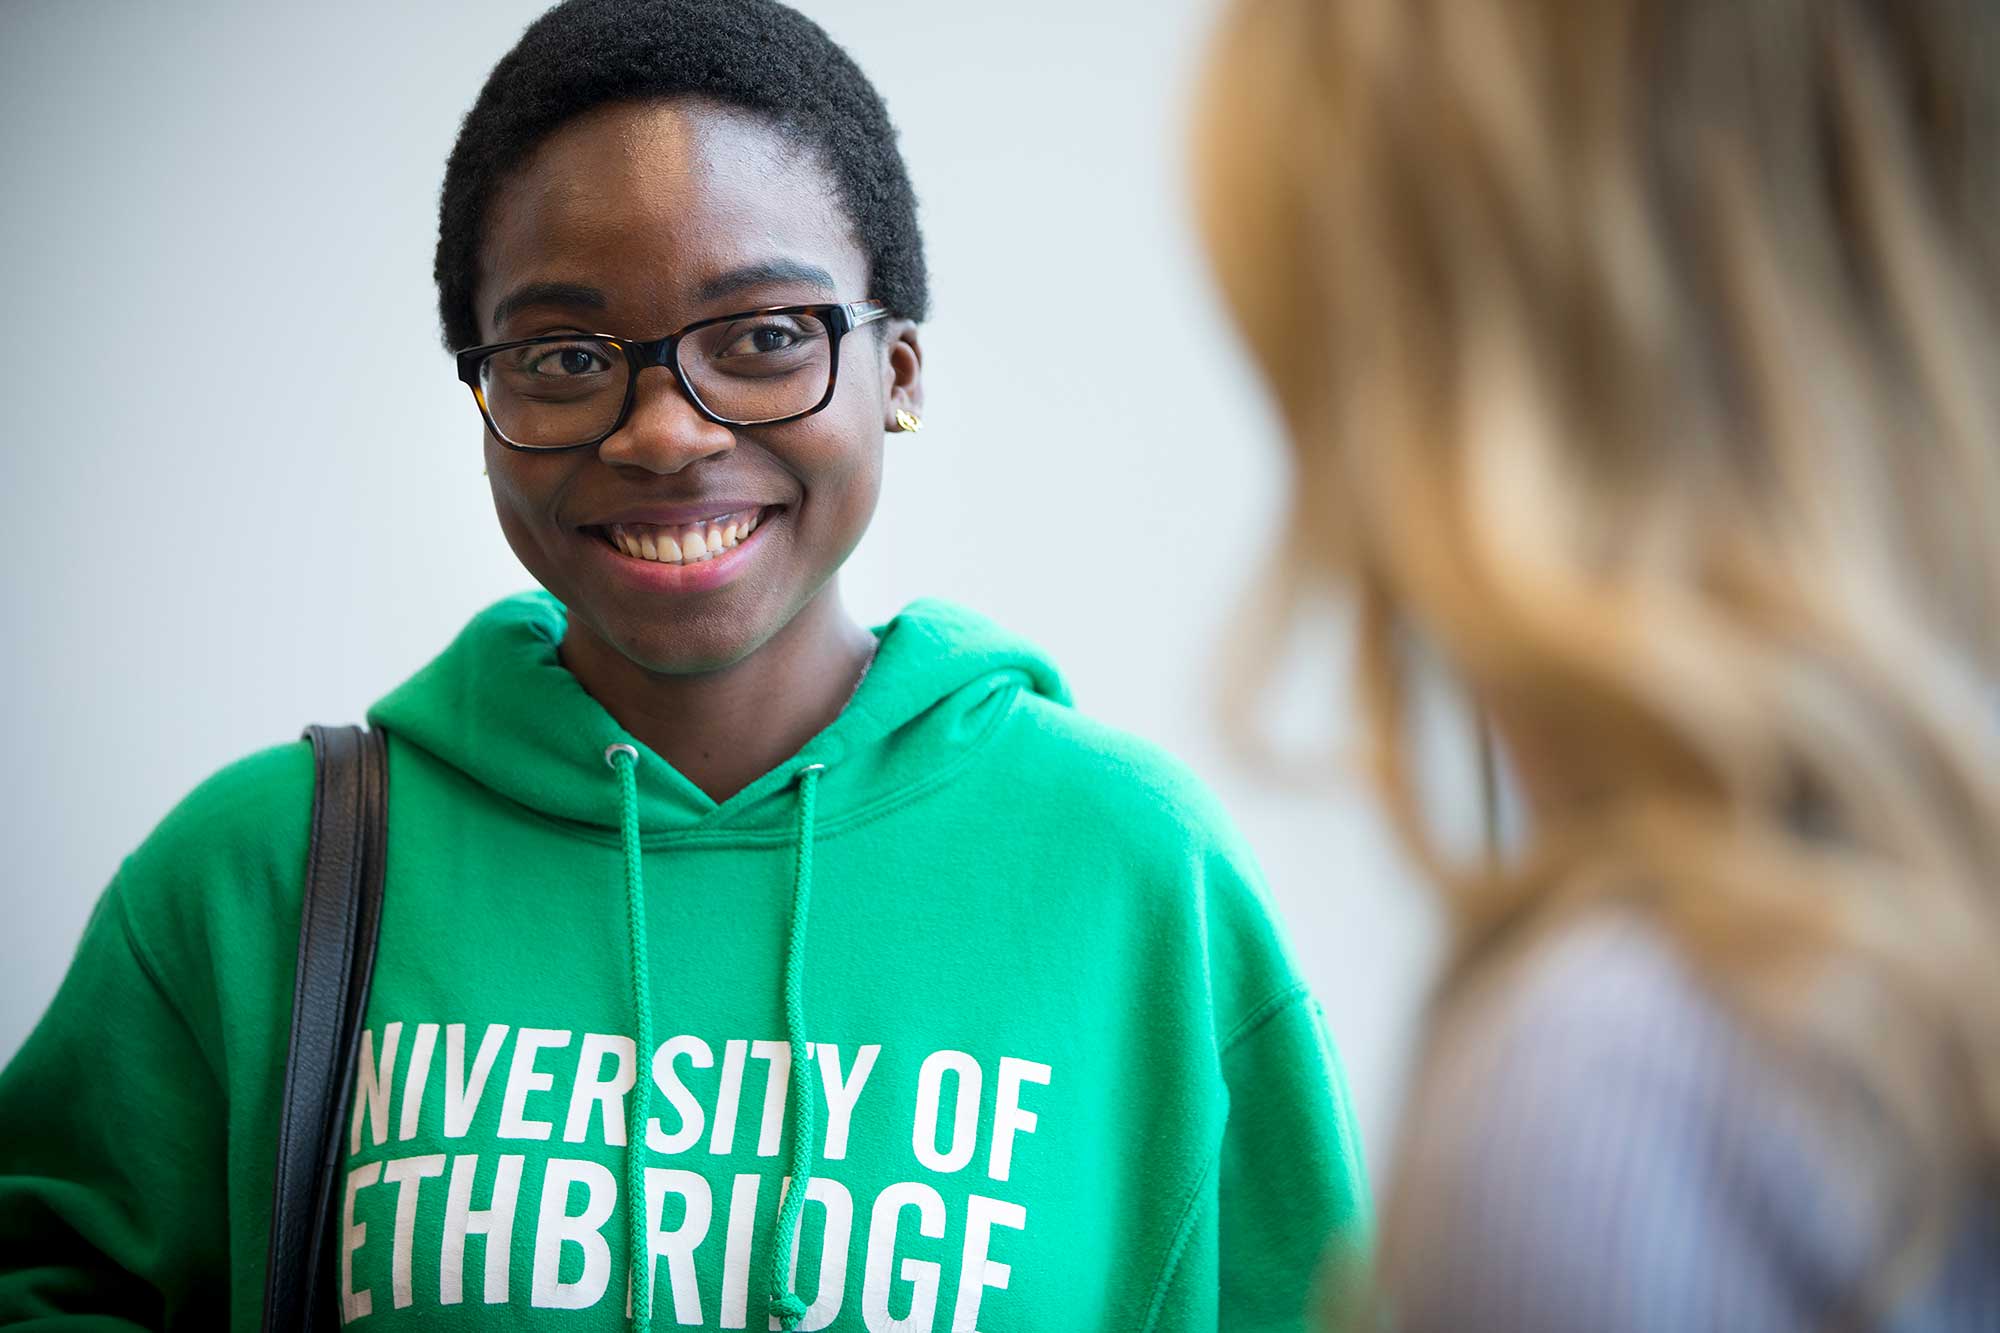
<point>684,543</point>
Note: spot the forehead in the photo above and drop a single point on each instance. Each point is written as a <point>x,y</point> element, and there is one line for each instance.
<point>652,202</point>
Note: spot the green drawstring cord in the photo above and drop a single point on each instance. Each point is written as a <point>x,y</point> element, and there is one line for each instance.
<point>786,1307</point>
<point>642,1003</point>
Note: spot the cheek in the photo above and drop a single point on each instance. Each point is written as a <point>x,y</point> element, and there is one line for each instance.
<point>839,466</point>
<point>523,489</point>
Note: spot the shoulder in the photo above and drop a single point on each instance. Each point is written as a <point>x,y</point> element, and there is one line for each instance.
<point>235,815</point>
<point>1159,843</point>
<point>1592,1109</point>
<point>1128,783</point>
<point>1046,751</point>
<point>234,844</point>
<point>1141,807</point>
<point>1589,992</point>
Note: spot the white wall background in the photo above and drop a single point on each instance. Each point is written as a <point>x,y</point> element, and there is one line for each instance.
<point>241,489</point>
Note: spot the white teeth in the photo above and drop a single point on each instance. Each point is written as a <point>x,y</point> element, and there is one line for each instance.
<point>702,541</point>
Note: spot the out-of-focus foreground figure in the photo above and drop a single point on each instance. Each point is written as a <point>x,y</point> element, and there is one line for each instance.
<point>1638,359</point>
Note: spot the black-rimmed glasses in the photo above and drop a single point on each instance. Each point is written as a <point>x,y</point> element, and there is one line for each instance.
<point>570,390</point>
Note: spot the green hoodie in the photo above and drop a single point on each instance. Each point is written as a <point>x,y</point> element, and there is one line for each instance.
<point>1063,1073</point>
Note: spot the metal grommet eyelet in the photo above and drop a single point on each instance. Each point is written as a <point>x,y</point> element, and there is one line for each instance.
<point>812,768</point>
<point>614,748</point>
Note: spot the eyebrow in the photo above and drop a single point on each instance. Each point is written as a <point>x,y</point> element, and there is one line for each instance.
<point>577,296</point>
<point>765,273</point>
<point>570,295</point>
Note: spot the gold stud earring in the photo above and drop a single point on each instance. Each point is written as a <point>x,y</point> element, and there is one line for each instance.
<point>908,422</point>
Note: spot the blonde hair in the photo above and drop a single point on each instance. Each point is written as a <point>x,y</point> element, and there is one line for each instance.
<point>1638,357</point>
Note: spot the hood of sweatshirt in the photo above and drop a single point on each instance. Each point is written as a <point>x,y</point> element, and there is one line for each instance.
<point>499,706</point>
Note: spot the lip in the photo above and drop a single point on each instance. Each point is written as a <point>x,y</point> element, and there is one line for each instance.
<point>701,576</point>
<point>678,515</point>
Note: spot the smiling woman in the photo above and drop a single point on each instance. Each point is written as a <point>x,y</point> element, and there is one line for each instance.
<point>979,1016</point>
<point>701,217</point>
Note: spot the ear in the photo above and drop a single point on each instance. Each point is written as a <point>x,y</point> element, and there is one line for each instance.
<point>902,372</point>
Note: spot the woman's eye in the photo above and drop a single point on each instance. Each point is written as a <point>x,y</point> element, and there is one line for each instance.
<point>761,339</point>
<point>767,338</point>
<point>565,361</point>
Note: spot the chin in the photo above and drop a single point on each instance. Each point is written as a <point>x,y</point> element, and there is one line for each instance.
<point>689,641</point>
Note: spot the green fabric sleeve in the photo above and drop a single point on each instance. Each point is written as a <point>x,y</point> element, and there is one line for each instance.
<point>1292,1192</point>
<point>112,1144</point>
<point>1188,1301</point>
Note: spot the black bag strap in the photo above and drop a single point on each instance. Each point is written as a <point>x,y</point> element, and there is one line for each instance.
<point>339,917</point>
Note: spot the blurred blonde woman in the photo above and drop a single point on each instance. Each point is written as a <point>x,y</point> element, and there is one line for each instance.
<point>1638,361</point>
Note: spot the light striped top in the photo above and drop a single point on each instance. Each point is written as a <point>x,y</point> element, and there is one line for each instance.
<point>1603,1148</point>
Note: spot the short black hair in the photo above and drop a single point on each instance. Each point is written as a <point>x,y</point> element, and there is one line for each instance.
<point>754,54</point>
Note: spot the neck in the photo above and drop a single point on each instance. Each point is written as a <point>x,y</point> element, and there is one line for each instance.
<point>724,729</point>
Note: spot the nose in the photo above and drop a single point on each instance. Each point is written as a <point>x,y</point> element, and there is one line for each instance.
<point>664,433</point>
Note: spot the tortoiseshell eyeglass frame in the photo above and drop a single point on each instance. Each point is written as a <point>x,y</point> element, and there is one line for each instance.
<point>840,319</point>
